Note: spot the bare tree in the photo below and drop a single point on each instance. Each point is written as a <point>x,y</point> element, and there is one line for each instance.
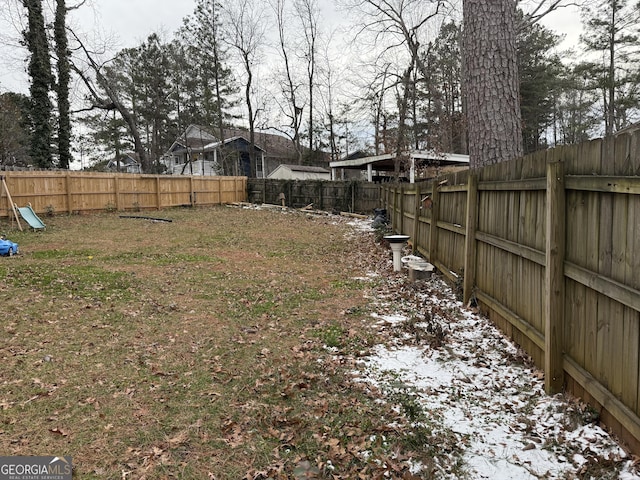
<point>398,23</point>
<point>538,9</point>
<point>308,12</point>
<point>291,109</point>
<point>108,99</point>
<point>328,85</point>
<point>244,26</point>
<point>400,26</point>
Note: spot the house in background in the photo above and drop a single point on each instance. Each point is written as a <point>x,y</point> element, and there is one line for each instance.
<point>199,152</point>
<point>300,172</point>
<point>125,163</point>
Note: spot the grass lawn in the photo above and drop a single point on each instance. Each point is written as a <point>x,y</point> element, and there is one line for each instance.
<point>192,349</point>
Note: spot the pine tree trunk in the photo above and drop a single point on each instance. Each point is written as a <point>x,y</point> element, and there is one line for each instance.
<point>492,84</point>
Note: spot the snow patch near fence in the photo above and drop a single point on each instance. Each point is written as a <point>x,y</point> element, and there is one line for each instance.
<point>479,388</point>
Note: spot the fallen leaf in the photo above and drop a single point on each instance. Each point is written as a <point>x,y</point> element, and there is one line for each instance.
<point>58,431</point>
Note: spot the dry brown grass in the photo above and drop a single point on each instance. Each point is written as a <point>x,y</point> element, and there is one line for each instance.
<point>191,349</point>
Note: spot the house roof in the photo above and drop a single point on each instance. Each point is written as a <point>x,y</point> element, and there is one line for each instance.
<point>227,141</point>
<point>126,159</point>
<point>274,145</point>
<point>199,138</point>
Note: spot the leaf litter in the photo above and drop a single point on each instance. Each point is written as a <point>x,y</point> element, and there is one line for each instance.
<point>330,366</point>
<point>461,382</point>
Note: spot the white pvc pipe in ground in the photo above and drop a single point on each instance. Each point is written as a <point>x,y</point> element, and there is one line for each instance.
<point>396,242</point>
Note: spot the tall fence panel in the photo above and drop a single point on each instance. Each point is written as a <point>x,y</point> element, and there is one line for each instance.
<point>549,246</point>
<point>75,192</point>
<point>356,196</point>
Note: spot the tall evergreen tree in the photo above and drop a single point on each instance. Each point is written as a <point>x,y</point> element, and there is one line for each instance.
<point>541,78</point>
<point>210,92</point>
<point>62,86</point>
<point>14,132</point>
<point>575,112</point>
<point>41,80</point>
<point>156,106</point>
<point>611,27</point>
<point>447,68</point>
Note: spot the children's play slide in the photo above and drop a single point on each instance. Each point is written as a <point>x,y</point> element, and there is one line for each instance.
<point>31,218</point>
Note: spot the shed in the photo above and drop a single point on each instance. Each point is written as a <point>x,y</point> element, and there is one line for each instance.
<point>300,172</point>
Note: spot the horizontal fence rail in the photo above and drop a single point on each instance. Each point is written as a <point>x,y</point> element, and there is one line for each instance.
<point>77,192</point>
<point>549,247</point>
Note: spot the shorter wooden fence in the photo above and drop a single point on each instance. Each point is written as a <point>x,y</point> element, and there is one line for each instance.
<point>77,192</point>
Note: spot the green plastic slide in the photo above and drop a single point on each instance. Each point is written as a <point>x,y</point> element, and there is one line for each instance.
<point>31,218</point>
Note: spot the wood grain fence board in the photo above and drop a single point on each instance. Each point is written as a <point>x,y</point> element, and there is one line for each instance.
<point>605,239</point>
<point>554,278</point>
<point>433,227</point>
<point>622,159</point>
<point>537,319</point>
<point>470,245</point>
<point>577,221</point>
<point>633,242</point>
<point>540,229</point>
<point>512,235</point>
<point>618,273</point>
<point>592,160</point>
<point>602,183</point>
<point>514,185</point>
<point>631,379</point>
<point>634,153</point>
<point>485,276</point>
<point>630,359</point>
<point>591,298</point>
<point>574,335</point>
<point>416,224</point>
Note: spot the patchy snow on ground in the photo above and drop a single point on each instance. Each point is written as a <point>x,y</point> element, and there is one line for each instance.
<point>478,389</point>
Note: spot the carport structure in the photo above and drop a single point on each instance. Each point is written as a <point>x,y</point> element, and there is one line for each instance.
<point>384,165</point>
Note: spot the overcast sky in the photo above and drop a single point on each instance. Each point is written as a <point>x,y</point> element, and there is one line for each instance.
<point>129,22</point>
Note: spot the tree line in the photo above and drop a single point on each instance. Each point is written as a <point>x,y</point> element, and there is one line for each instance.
<point>411,74</point>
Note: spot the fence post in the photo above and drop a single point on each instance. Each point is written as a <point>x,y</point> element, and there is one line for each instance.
<point>433,227</point>
<point>69,195</point>
<point>554,279</point>
<point>392,191</point>
<point>416,219</point>
<point>158,200</point>
<point>116,187</point>
<point>470,237</point>
<point>401,227</point>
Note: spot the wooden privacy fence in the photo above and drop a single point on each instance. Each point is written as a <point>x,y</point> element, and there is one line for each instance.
<point>355,196</point>
<point>549,247</point>
<point>76,192</point>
